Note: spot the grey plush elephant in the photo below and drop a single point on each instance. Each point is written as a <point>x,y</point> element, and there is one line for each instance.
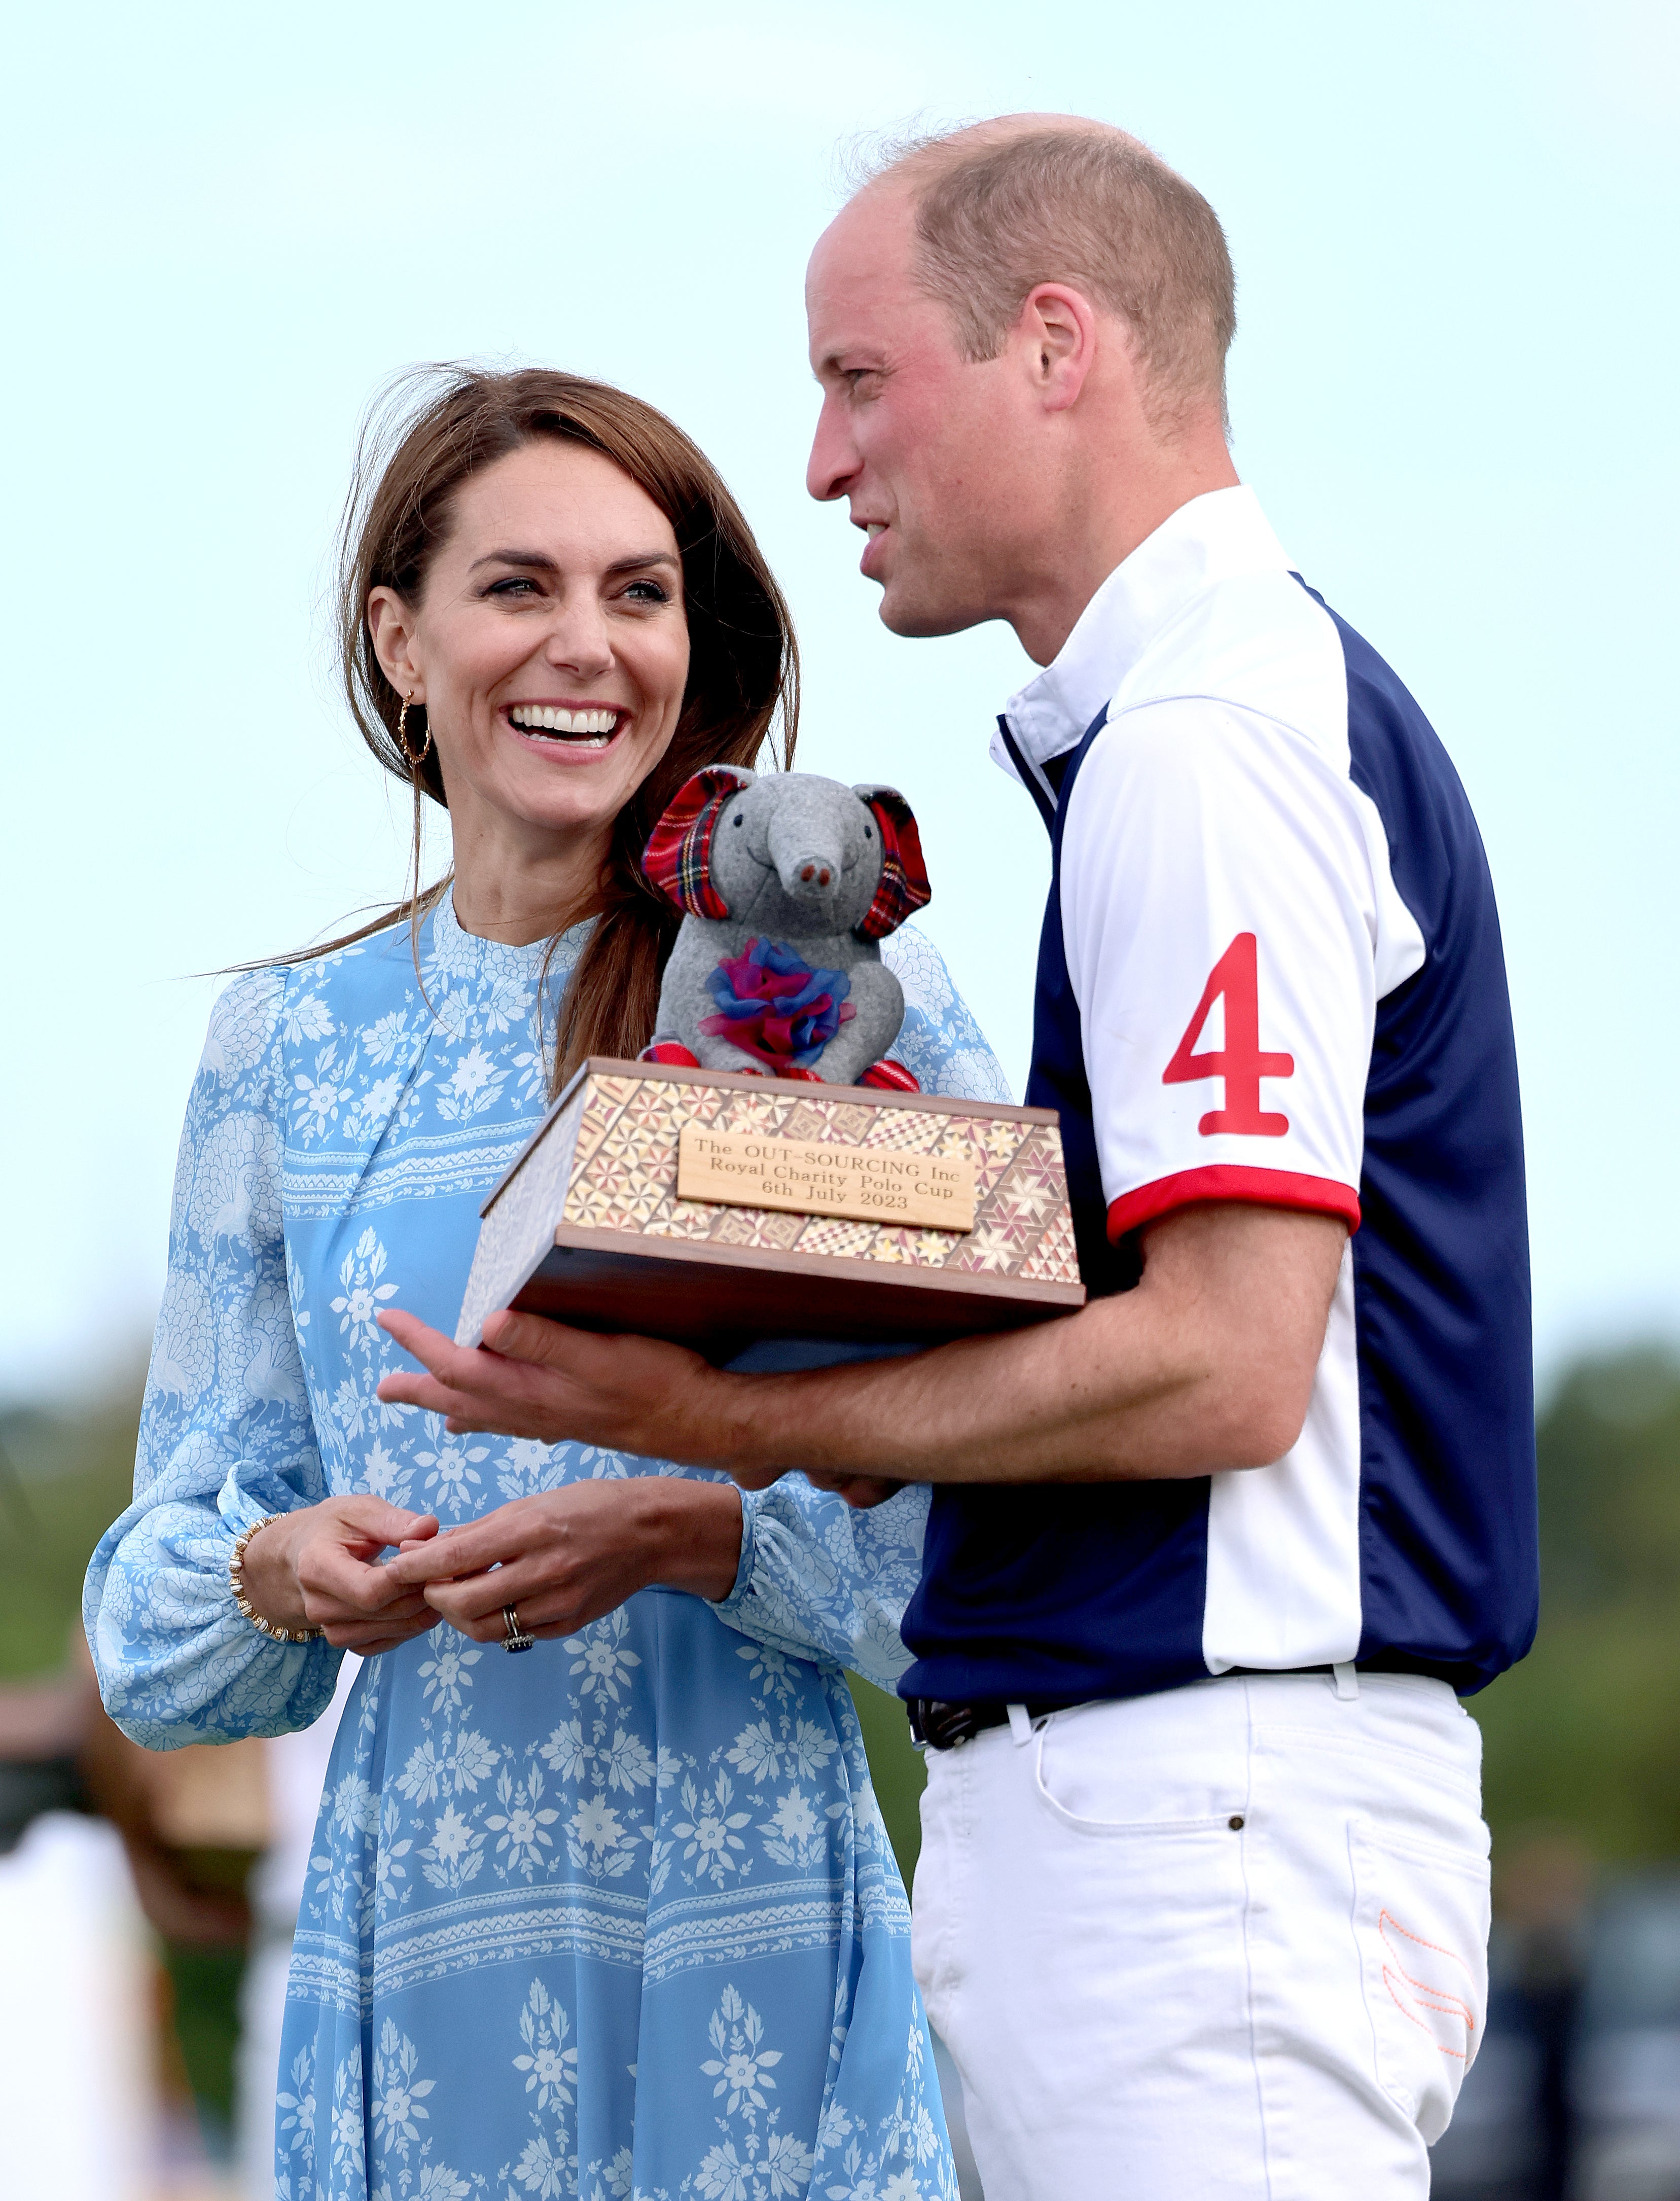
<point>787,884</point>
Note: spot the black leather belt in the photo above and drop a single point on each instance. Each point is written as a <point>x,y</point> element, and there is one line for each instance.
<point>943,1726</point>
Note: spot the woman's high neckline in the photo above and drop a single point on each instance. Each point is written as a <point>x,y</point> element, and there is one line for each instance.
<point>456,949</point>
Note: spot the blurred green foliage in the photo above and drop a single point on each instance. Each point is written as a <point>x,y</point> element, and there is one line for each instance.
<point>204,2009</point>
<point>1584,1735</point>
<point>895,1767</point>
<point>64,1477</point>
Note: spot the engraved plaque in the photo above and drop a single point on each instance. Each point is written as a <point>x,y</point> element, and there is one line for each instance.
<point>820,1177</point>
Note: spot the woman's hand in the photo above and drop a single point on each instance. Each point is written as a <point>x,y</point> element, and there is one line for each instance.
<point>567,1557</point>
<point>316,1568</point>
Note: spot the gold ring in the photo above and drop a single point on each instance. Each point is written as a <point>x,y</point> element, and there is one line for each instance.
<point>516,1639</point>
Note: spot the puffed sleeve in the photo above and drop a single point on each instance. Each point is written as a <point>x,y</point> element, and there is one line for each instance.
<point>819,1581</point>
<point>940,1042</point>
<point>816,1579</point>
<point>226,1434</point>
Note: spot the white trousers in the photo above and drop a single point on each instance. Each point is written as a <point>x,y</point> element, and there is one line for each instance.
<point>1227,1942</point>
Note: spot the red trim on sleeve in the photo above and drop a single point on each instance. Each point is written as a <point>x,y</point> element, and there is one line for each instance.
<point>890,1076</point>
<point>1263,1188</point>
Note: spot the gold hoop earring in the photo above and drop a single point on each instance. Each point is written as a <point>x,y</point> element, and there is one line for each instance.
<point>414,762</point>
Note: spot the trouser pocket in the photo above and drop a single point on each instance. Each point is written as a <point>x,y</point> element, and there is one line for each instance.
<point>1421,1914</point>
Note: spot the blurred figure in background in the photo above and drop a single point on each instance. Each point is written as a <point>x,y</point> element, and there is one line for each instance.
<point>1542,1895</point>
<point>96,2098</point>
<point>78,2099</point>
<point>77,2096</point>
<point>99,1840</point>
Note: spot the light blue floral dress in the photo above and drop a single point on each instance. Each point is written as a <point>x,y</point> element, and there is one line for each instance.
<point>617,1919</point>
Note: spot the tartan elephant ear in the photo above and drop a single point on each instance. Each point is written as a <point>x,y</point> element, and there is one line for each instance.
<point>904,888</point>
<point>678,858</point>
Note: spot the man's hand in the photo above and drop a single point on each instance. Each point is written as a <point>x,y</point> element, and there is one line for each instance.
<point>542,1380</point>
<point>567,1557</point>
<point>1208,1366</point>
<point>316,1568</point>
<point>533,1378</point>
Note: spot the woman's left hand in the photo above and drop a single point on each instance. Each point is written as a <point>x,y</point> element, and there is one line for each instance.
<point>569,1556</point>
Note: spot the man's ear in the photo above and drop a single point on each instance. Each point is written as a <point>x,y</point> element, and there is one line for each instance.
<point>903,888</point>
<point>678,858</point>
<point>1057,326</point>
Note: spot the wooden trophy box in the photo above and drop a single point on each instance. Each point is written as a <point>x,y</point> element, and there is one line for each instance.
<point>716,1209</point>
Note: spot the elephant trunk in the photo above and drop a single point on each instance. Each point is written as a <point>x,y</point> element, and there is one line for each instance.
<point>809,857</point>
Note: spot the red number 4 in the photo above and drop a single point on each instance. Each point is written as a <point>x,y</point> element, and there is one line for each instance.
<point>1239,1061</point>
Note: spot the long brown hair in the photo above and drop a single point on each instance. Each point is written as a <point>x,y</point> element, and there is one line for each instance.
<point>432,429</point>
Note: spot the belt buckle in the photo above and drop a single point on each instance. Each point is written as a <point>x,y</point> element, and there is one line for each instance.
<point>943,1726</point>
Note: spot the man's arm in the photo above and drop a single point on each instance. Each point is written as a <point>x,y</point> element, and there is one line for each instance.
<point>1210,857</point>
<point>1207,1365</point>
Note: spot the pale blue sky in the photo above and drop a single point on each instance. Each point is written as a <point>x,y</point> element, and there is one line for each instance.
<point>1453,230</point>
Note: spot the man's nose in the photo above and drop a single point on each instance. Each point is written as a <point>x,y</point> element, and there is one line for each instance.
<point>834,461</point>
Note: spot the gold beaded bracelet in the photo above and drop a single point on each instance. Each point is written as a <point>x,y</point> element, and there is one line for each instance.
<point>236,1576</point>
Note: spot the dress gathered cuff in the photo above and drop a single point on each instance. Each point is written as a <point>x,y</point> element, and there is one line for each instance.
<point>245,1499</point>
<point>750,1501</point>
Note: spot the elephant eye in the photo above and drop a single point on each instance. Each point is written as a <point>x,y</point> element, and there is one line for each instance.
<point>738,822</point>
<point>869,832</point>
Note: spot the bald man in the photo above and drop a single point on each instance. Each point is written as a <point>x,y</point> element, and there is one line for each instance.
<point>1202,1903</point>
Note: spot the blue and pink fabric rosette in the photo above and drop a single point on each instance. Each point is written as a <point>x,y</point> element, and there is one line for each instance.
<point>773,1005</point>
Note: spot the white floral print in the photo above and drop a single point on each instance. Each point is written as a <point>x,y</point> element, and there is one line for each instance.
<point>532,1858</point>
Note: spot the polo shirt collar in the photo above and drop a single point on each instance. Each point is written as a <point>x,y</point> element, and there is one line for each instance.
<point>1214,538</point>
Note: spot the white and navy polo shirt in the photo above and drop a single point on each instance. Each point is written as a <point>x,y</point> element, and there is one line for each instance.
<point>1270,970</point>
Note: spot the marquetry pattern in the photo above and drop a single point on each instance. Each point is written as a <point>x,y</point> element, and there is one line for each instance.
<point>624,1177</point>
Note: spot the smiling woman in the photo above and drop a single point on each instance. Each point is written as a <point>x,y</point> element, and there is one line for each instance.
<point>530,538</point>
<point>552,1897</point>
